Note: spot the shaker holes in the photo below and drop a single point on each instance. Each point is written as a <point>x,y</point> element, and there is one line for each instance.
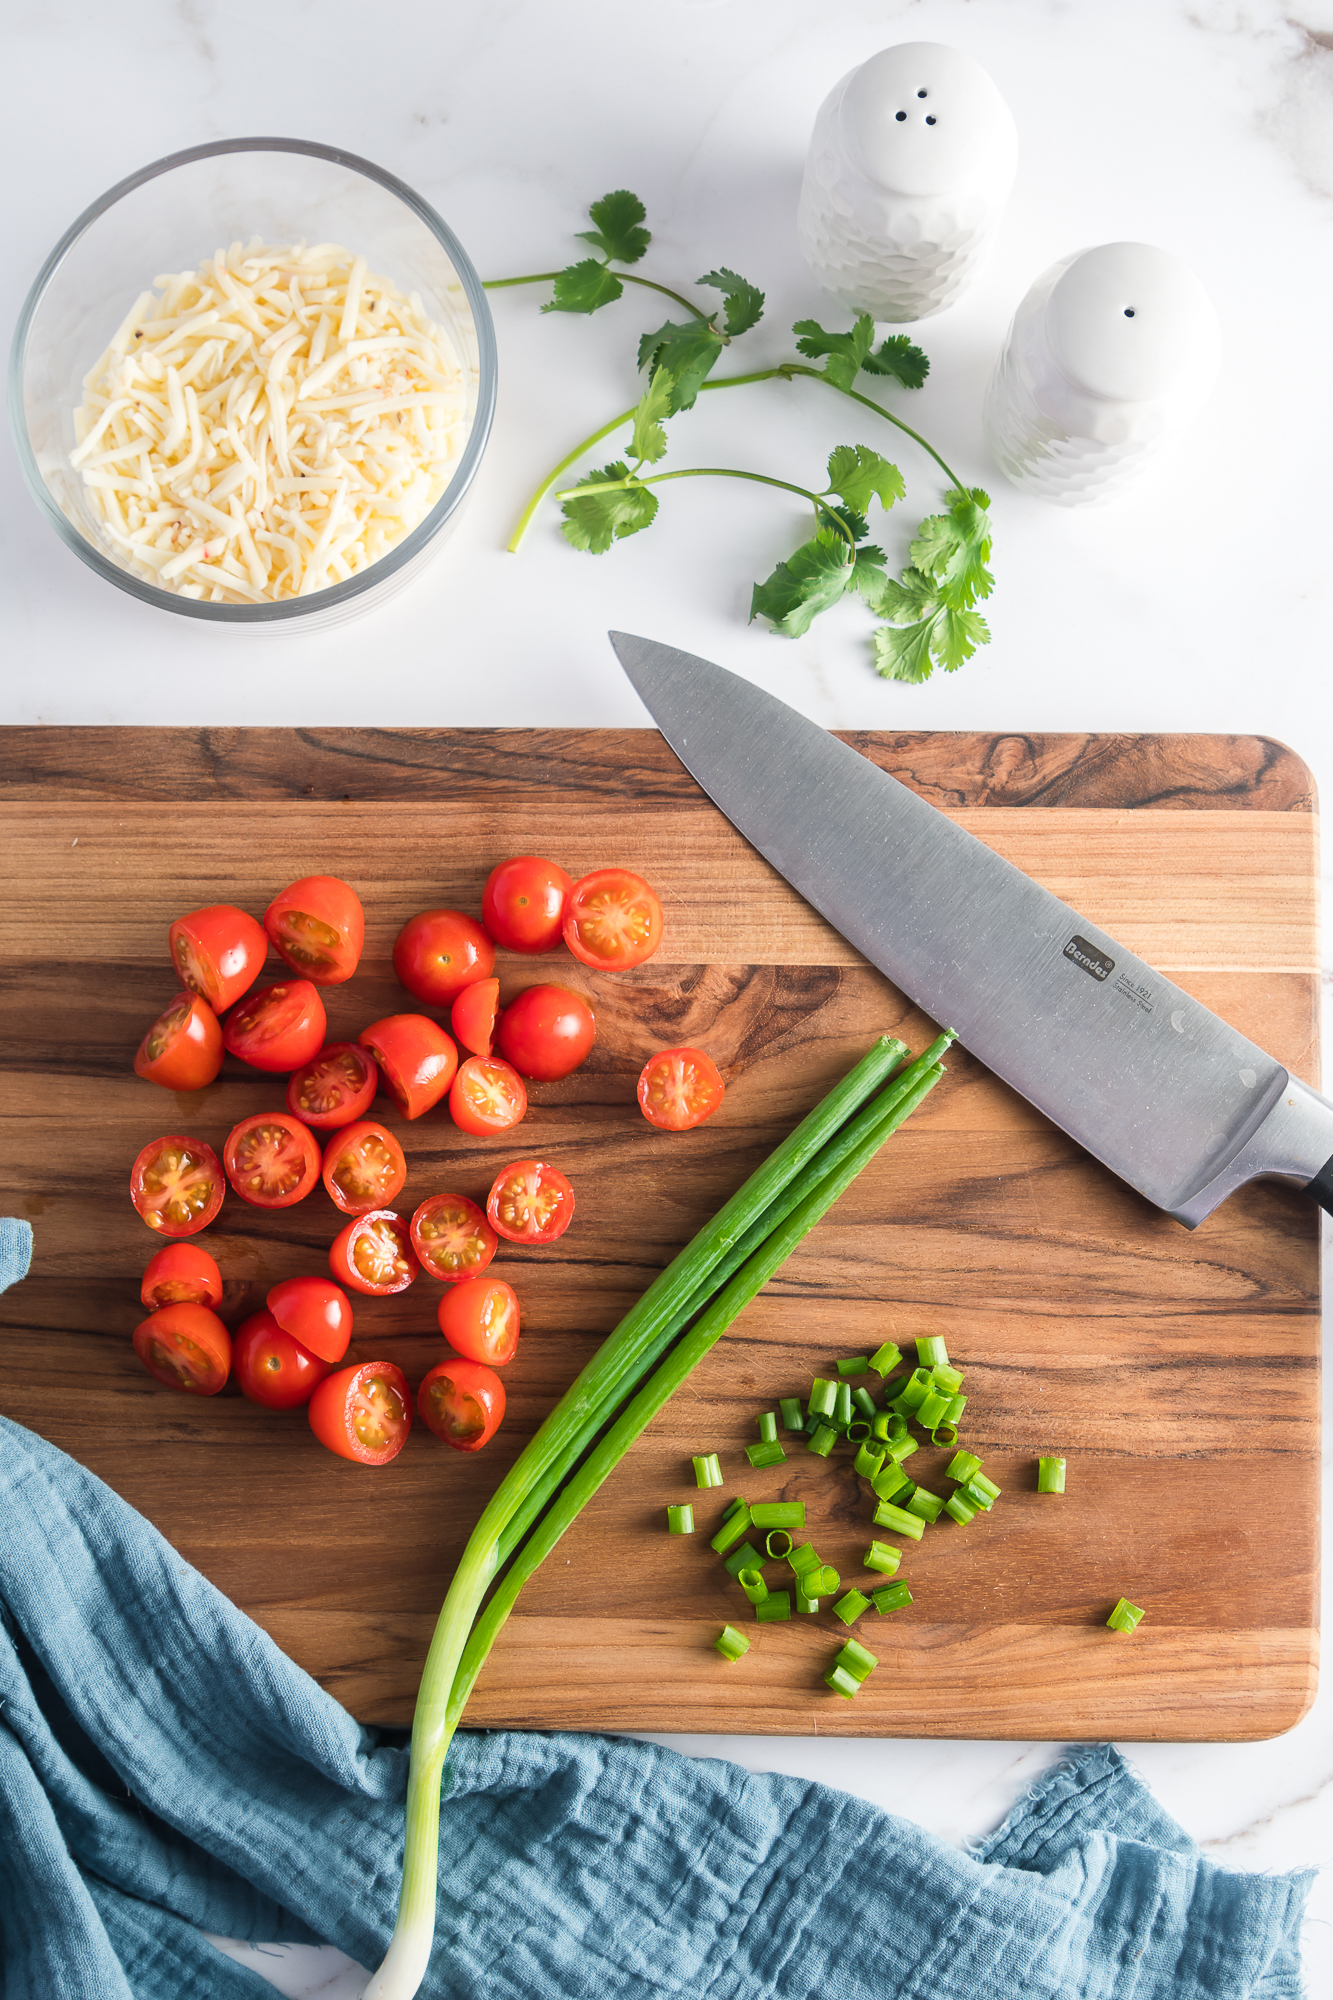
<point>900,116</point>
<point>1129,312</point>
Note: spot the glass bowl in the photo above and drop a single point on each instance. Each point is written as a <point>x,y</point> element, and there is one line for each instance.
<point>170,217</point>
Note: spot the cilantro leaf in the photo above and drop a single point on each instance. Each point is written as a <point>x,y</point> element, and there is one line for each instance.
<point>744,301</point>
<point>618,217</point>
<point>957,635</point>
<point>688,351</point>
<point>926,628</point>
<point>902,652</point>
<point>954,547</point>
<point>867,575</point>
<point>581,288</point>
<point>845,352</point>
<point>593,520</point>
<point>898,357</point>
<point>856,524</point>
<point>807,583</point>
<point>649,437</point>
<point>855,473</point>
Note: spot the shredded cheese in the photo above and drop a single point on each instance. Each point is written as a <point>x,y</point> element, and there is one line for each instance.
<point>269,424</point>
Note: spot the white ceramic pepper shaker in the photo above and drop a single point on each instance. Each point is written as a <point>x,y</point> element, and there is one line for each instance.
<point>1109,356</point>
<point>910,165</point>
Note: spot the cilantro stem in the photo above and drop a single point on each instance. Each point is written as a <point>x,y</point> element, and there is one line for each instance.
<point>817,500</point>
<point>625,277</point>
<point>790,368</point>
<point>536,498</point>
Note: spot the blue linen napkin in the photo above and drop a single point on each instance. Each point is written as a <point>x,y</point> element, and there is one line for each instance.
<point>166,1770</point>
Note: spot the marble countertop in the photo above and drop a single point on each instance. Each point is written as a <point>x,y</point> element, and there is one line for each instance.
<point>1202,125</point>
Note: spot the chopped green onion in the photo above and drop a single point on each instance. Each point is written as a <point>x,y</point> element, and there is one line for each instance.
<point>901,1498</point>
<point>805,1606</point>
<point>768,1427</point>
<point>761,1455</point>
<point>890,1479</point>
<point>882,1557</point>
<point>886,1358</point>
<point>746,1556</point>
<point>1125,1617</point>
<point>752,1583</point>
<point>813,1424</point>
<point>860,1663</point>
<point>803,1559</point>
<point>823,1395</point>
<point>930,1349</point>
<point>928,1505</point>
<point>734,1523</point>
<point>842,1682</point>
<point>778,1513</point>
<point>947,1378</point>
<point>823,1441</point>
<point>708,1471</point>
<point>775,1607</point>
<point>1050,1475</point>
<point>932,1408</point>
<point>897,1518</point>
<point>961,1466</point>
<point>879,1425</point>
<point>778,1543</point>
<point>733,1506</point>
<point>858,1431</point>
<point>793,1417</point>
<point>957,1404</point>
<point>843,1410</point>
<point>680,1520</point>
<point>855,1364</point>
<point>891,1597</point>
<point>866,1404</point>
<point>902,1447</point>
<point>731,1644</point>
<point>979,1487</point>
<point>975,1496</point>
<point>828,1580</point>
<point>914,1390</point>
<point>962,1510</point>
<point>945,1436</point>
<point>868,1460</point>
<point>850,1606</point>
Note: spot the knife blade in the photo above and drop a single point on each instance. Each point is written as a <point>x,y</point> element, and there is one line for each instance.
<point>1164,1092</point>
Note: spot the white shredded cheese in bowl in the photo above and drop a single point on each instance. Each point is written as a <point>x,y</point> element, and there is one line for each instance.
<point>269,424</point>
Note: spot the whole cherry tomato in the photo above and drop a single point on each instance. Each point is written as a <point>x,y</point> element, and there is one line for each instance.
<point>462,1402</point>
<point>473,1015</point>
<point>523,904</point>
<point>177,1185</point>
<point>546,1032</point>
<point>364,1167</point>
<point>333,1088</point>
<point>679,1088</point>
<point>487,1096</point>
<point>479,1319</point>
<point>181,1274</point>
<point>218,953</point>
<point>315,1312</point>
<point>319,927</point>
<point>614,919</point>
<point>186,1347</point>
<point>374,1254</point>
<point>272,1159</point>
<point>272,1368</point>
<point>452,1238</point>
<point>439,952</point>
<point>531,1202</point>
<point>415,1057</point>
<point>278,1028</point>
<point>363,1413</point>
<point>183,1048</point>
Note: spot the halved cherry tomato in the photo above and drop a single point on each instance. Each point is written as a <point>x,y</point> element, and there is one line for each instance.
<point>439,952</point>
<point>315,1312</point>
<point>218,953</point>
<point>272,1159</point>
<point>177,1185</point>
<point>531,1202</point>
<point>278,1028</point>
<point>363,1167</point>
<point>452,1238</point>
<point>473,1015</point>
<point>272,1367</point>
<point>415,1057</point>
<point>319,927</point>
<point>546,1032</point>
<point>183,1048</point>
<point>614,919</point>
<point>374,1254</point>
<point>186,1347</point>
<point>523,904</point>
<point>363,1413</point>
<point>333,1088</point>
<point>488,1096</point>
<point>462,1402</point>
<point>479,1319</point>
<point>679,1088</point>
<point>181,1274</point>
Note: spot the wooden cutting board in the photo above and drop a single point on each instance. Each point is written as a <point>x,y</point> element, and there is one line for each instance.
<point>1177,1372</point>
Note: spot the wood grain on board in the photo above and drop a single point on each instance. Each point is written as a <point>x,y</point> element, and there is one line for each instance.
<point>1178,1372</point>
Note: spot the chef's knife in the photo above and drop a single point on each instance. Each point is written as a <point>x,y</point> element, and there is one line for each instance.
<point>1147,1079</point>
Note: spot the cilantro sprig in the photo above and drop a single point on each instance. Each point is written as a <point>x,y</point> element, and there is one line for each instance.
<point>928,613</point>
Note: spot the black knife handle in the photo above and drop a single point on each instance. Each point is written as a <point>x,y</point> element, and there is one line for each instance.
<point>1320,1189</point>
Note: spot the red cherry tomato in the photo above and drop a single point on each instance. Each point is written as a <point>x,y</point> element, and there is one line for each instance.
<point>218,953</point>
<point>479,1319</point>
<point>488,1096</point>
<point>181,1274</point>
<point>523,904</point>
<point>177,1185</point>
<point>363,1413</point>
<point>530,1202</point>
<point>364,1167</point>
<point>473,1015</point>
<point>186,1347</point>
<point>374,1254</point>
<point>319,927</point>
<point>452,1238</point>
<point>278,1028</point>
<point>315,1312</point>
<point>462,1402</point>
<point>271,1367</point>
<point>614,919</point>
<point>679,1088</point>
<point>183,1048</point>
<point>333,1088</point>
<point>440,952</point>
<point>546,1032</point>
<point>272,1159</point>
<point>415,1057</point>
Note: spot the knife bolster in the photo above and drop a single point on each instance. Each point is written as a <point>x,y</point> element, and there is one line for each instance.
<point>1294,1144</point>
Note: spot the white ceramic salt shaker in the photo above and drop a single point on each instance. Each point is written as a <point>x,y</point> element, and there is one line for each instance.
<point>1109,356</point>
<point>910,165</point>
